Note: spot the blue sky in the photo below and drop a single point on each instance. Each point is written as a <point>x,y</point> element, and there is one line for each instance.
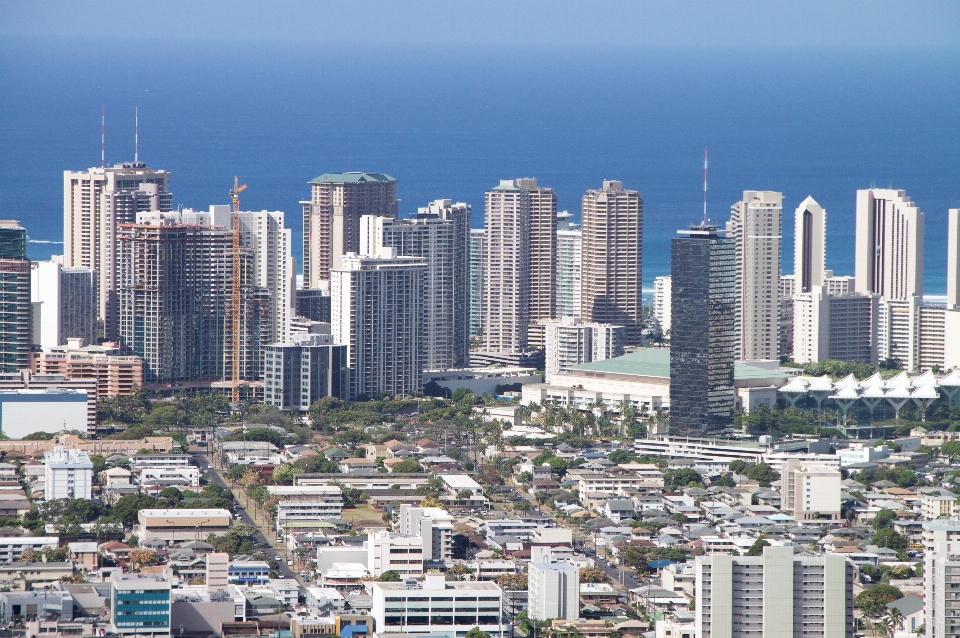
<point>598,22</point>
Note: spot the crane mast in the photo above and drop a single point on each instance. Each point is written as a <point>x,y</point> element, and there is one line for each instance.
<point>235,292</point>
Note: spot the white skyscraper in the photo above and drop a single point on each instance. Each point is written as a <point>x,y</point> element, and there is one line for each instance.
<point>64,304</point>
<point>506,293</point>
<point>755,226</point>
<point>94,203</point>
<point>553,590</point>
<point>809,245</point>
<point>67,474</point>
<point>889,245</point>
<point>661,301</point>
<point>569,242</point>
<point>478,252</point>
<point>953,259</point>
<point>377,310</point>
<point>941,607</point>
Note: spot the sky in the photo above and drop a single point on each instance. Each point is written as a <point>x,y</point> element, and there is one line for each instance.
<point>858,23</point>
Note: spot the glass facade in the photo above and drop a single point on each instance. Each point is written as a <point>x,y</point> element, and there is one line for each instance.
<point>141,610</point>
<point>702,338</point>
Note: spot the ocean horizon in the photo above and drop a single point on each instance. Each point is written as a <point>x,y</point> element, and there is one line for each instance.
<point>451,122</point>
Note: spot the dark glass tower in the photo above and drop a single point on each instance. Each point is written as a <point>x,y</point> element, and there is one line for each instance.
<point>702,337</point>
<point>15,307</point>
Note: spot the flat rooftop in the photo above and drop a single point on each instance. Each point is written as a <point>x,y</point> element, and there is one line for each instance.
<point>655,362</point>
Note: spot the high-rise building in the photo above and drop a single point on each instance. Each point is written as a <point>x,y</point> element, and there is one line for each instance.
<point>810,491</point>
<point>95,203</point>
<point>809,245</point>
<point>140,604</point>
<point>570,343</point>
<point>377,311</point>
<point>755,227</point>
<point>64,304</point>
<point>889,245</point>
<point>953,259</point>
<point>915,334</point>
<point>437,240</point>
<point>569,251</point>
<point>434,525</point>
<point>941,607</point>
<point>543,248</point>
<point>611,266</point>
<point>16,310</point>
<point>298,373</point>
<point>506,285</point>
<point>787,290</point>
<point>313,304</point>
<point>331,218</point>
<point>661,301</point>
<point>553,590</point>
<point>702,342</point>
<point>841,327</point>
<point>174,294</point>
<point>478,253</point>
<point>67,474</point>
<point>777,595</point>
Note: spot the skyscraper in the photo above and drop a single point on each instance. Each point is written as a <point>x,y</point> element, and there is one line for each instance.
<point>543,248</point>
<point>478,255</point>
<point>15,306</point>
<point>65,304</point>
<point>953,259</point>
<point>95,203</point>
<point>755,227</point>
<point>611,266</point>
<point>331,218</point>
<point>569,254</point>
<point>506,304</point>
<point>174,283</point>
<point>299,372</point>
<point>809,245</point>
<point>662,296</point>
<point>889,250</point>
<point>377,311</point>
<point>702,338</point>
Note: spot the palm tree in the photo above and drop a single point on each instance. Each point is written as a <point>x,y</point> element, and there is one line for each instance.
<point>896,620</point>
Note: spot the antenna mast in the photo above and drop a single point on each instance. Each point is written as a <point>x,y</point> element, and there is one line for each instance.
<point>235,289</point>
<point>136,134</point>
<point>103,111</point>
<point>704,185</point>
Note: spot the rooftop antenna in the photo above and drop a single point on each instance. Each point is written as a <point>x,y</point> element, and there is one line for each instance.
<point>103,111</point>
<point>704,185</point>
<point>136,134</point>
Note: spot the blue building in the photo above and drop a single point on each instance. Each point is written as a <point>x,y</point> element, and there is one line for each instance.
<point>140,604</point>
<point>248,571</point>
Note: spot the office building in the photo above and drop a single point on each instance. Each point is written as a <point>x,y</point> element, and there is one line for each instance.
<point>703,339</point>
<point>435,240</point>
<point>569,251</point>
<point>841,327</point>
<point>435,605</point>
<point>542,247</point>
<point>217,570</point>
<point>570,343</point>
<point>67,474</point>
<point>300,372</point>
<point>941,569</point>
<point>114,373</point>
<point>755,228</point>
<point>174,287</point>
<point>64,303</point>
<point>553,590</point>
<point>809,245</point>
<point>299,503</point>
<point>506,293</point>
<point>661,302</point>
<point>140,604</point>
<point>612,252</point>
<point>313,304</point>
<point>889,244</point>
<point>389,551</point>
<point>377,312</point>
<point>810,491</point>
<point>173,525</point>
<point>777,595</point>
<point>434,525</point>
<point>95,203</point>
<point>478,252</point>
<point>15,306</point>
<point>331,218</point>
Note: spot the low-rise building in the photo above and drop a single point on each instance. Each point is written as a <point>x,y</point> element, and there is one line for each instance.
<point>13,547</point>
<point>389,551</point>
<point>68,473</point>
<point>248,571</point>
<point>173,525</point>
<point>810,491</point>
<point>140,605</point>
<point>115,374</point>
<point>306,503</point>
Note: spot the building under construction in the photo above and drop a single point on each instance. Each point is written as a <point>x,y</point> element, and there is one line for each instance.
<point>174,291</point>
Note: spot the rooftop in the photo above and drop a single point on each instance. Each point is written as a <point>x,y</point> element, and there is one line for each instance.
<point>351,178</point>
<point>655,362</point>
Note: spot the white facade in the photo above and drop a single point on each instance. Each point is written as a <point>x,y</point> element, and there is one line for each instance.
<point>777,595</point>
<point>64,303</point>
<point>570,343</point>
<point>916,333</point>
<point>553,590</point>
<point>24,412</point>
<point>435,528</point>
<point>12,547</point>
<point>388,551</point>
<point>67,473</point>
<point>841,326</point>
<point>377,312</point>
<point>171,476</point>
<point>432,603</point>
<point>755,226</point>
<point>809,245</point>
<point>889,244</point>
<point>661,301</point>
<point>306,502</point>
<point>953,259</point>
<point>506,268</point>
<point>569,248</point>
<point>941,571</point>
<point>810,491</point>
<point>478,252</point>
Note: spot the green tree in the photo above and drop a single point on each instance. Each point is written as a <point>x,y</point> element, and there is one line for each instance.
<point>389,576</point>
<point>476,633</point>
<point>283,474</point>
<point>887,538</point>
<point>951,449</point>
<point>674,480</point>
<point>762,474</point>
<point>407,466</point>
<point>737,466</point>
<point>883,518</point>
<point>872,602</point>
<point>757,548</point>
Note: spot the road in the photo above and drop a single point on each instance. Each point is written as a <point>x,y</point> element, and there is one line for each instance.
<point>244,517</point>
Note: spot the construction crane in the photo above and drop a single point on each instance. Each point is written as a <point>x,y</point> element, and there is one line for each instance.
<point>235,297</point>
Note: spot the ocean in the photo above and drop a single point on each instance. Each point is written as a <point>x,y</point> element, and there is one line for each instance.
<point>449,122</point>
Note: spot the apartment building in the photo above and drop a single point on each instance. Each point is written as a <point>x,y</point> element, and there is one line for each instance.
<point>68,473</point>
<point>810,491</point>
<point>378,313</point>
<point>612,256</point>
<point>95,203</point>
<point>755,226</point>
<point>64,303</point>
<point>842,326</point>
<point>389,551</point>
<point>889,244</point>
<point>553,589</point>
<point>661,301</point>
<point>306,502</point>
<point>570,343</point>
<point>543,248</point>
<point>115,374</point>
<point>435,605</point>
<point>941,573</point>
<point>506,268</point>
<point>478,255</point>
<point>13,547</point>
<point>568,272</point>
<point>777,595</point>
<point>300,372</point>
<point>919,334</point>
<point>434,526</point>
